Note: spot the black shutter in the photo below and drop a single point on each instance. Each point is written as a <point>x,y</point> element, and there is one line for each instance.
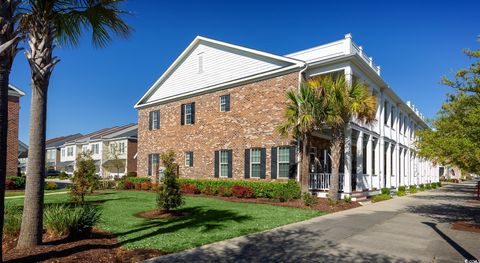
<point>193,112</point>
<point>150,120</point>
<point>182,114</point>
<point>230,163</point>
<point>263,161</point>
<point>216,164</point>
<point>158,120</point>
<point>149,172</point>
<point>274,162</point>
<point>227,102</point>
<point>293,162</point>
<point>191,158</point>
<point>247,163</point>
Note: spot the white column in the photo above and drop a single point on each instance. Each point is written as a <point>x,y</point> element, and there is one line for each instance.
<point>381,163</point>
<point>347,182</point>
<point>360,175</point>
<point>395,166</point>
<point>389,166</point>
<point>369,161</point>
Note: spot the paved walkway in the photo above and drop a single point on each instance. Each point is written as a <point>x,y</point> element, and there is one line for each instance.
<point>415,228</point>
<point>22,196</point>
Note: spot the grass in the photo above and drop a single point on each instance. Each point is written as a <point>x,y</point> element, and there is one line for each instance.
<point>211,219</point>
<point>22,192</point>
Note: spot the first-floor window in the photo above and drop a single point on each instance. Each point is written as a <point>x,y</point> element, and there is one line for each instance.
<point>223,163</point>
<point>189,159</point>
<point>121,147</point>
<point>283,162</point>
<point>153,164</point>
<point>255,157</point>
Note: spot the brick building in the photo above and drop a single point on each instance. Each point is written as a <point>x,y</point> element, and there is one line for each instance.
<point>218,106</point>
<point>14,95</point>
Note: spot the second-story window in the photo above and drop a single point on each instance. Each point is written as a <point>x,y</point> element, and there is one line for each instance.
<point>121,147</point>
<point>187,113</point>
<point>154,120</point>
<point>400,123</point>
<point>225,103</point>
<point>63,152</point>
<point>392,117</point>
<point>405,126</point>
<point>70,151</point>
<point>385,113</point>
<point>94,148</point>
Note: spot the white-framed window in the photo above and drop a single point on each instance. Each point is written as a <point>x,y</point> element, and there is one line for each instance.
<point>69,151</point>
<point>225,103</point>
<point>84,148</point>
<point>63,152</point>
<point>283,162</point>
<point>154,120</point>
<point>188,114</point>
<point>255,163</point>
<point>121,147</point>
<point>153,164</point>
<point>188,159</point>
<point>392,117</point>
<point>223,156</point>
<point>94,148</point>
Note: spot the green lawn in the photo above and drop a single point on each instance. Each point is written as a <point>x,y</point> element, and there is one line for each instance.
<point>211,220</point>
<point>20,193</point>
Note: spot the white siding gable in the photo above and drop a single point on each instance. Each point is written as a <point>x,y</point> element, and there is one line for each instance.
<point>209,64</point>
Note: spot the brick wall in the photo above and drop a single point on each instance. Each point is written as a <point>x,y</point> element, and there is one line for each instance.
<point>12,137</point>
<point>132,150</point>
<point>256,109</point>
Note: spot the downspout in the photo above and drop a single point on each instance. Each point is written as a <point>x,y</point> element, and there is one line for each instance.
<point>299,170</point>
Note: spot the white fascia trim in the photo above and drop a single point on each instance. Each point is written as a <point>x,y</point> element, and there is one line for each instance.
<point>194,43</point>
<point>16,91</point>
<point>218,86</point>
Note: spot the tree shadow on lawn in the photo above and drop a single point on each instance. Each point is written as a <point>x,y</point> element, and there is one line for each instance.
<point>199,216</point>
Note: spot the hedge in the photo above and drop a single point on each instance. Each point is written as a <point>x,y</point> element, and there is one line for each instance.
<point>261,189</point>
<point>135,180</point>
<point>18,182</point>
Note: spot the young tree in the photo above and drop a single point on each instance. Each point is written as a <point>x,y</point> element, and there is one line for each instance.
<point>455,137</point>
<point>115,162</point>
<point>44,22</point>
<point>9,37</point>
<point>169,196</point>
<point>342,101</point>
<point>84,178</point>
<point>303,114</point>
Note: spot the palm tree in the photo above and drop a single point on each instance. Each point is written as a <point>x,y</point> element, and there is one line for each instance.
<point>303,115</point>
<point>44,22</point>
<point>9,37</point>
<point>343,101</point>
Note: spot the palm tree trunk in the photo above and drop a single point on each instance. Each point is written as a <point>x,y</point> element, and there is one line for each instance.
<point>335,152</point>
<point>305,173</point>
<point>3,142</point>
<point>41,63</point>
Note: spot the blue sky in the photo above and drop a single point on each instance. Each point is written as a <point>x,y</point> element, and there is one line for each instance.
<point>414,43</point>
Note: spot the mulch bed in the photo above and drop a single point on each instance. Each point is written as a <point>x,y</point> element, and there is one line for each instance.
<point>322,204</point>
<point>155,214</point>
<point>99,246</point>
<point>466,226</point>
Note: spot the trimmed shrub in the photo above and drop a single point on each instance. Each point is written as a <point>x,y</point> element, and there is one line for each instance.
<point>138,186</point>
<point>290,190</point>
<point>439,184</point>
<point>402,189</point>
<point>17,182</point>
<point>169,195</point>
<point>385,191</point>
<point>428,186</point>
<point>224,191</point>
<point>421,187</point>
<point>347,199</point>
<point>242,192</point>
<point>189,189</point>
<point>51,186</point>
<point>412,189</point>
<point>209,191</point>
<point>61,219</point>
<point>401,193</point>
<point>146,186</point>
<point>128,185</point>
<point>433,185</point>
<point>381,197</point>
<point>262,189</point>
<point>12,220</point>
<point>309,199</point>
<point>135,180</point>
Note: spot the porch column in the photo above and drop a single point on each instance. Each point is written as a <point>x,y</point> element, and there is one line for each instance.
<point>396,165</point>
<point>360,175</point>
<point>347,179</point>
<point>369,162</point>
<point>381,163</point>
<point>389,166</point>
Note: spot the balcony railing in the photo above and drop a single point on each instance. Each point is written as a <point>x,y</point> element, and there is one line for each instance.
<point>321,181</point>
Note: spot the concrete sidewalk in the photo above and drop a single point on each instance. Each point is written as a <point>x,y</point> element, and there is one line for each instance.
<point>415,228</point>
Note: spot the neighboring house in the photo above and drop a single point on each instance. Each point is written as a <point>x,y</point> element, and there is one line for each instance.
<point>53,151</point>
<point>218,106</point>
<point>112,149</point>
<point>14,95</point>
<point>22,157</point>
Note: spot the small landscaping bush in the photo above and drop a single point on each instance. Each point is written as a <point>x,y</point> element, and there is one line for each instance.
<point>439,184</point>
<point>309,199</point>
<point>12,220</point>
<point>15,182</point>
<point>189,189</point>
<point>209,191</point>
<point>428,186</point>
<point>61,219</point>
<point>169,196</point>
<point>421,187</point>
<point>138,186</point>
<point>146,186</point>
<point>347,199</point>
<point>385,191</point>
<point>242,192</point>
<point>433,185</point>
<point>224,191</point>
<point>380,197</point>
<point>331,201</point>
<point>136,180</point>
<point>402,189</point>
<point>400,193</point>
<point>128,185</point>
<point>84,179</point>
<point>286,192</point>
<point>412,189</point>
<point>51,186</point>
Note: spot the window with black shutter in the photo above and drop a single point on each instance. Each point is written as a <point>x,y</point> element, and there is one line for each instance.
<point>189,159</point>
<point>225,103</point>
<point>187,113</point>
<point>154,120</point>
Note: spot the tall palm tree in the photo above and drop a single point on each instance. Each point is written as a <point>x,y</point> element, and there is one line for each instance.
<point>343,100</point>
<point>9,37</point>
<point>303,115</point>
<point>47,21</point>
